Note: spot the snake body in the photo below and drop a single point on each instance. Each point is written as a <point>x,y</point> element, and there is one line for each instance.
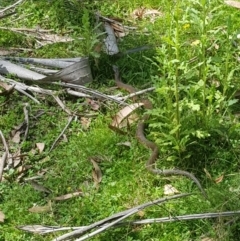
<point>150,164</point>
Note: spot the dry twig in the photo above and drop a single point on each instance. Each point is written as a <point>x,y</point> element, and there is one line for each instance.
<point>11,6</point>
<point>107,222</point>
<point>50,229</point>
<point>26,108</point>
<point>55,142</point>
<point>5,154</point>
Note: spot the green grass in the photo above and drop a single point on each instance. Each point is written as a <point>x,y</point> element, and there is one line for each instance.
<point>194,122</point>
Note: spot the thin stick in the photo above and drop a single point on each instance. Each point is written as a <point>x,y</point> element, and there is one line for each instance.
<point>26,119</point>
<point>94,94</point>
<point>4,142</point>
<point>124,98</point>
<point>55,142</point>
<point>11,6</point>
<point>25,93</point>
<point>58,100</point>
<point>41,229</point>
<point>89,91</point>
<point>7,15</point>
<point>2,163</point>
<point>5,155</point>
<point>99,230</point>
<point>34,30</point>
<point>182,218</point>
<point>117,216</point>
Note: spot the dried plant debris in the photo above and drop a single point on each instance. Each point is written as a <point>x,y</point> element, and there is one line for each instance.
<point>119,29</point>
<point>68,196</point>
<point>170,190</point>
<point>2,217</point>
<point>76,72</point>
<point>39,187</point>
<point>145,13</point>
<point>42,37</point>
<point>124,113</point>
<point>43,229</point>
<point>234,4</point>
<point>41,209</point>
<point>96,172</point>
<point>40,147</point>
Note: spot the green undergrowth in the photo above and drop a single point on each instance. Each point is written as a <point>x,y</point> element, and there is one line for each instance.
<point>192,63</point>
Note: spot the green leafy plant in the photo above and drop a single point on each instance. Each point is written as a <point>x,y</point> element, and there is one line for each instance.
<point>194,91</point>
<point>195,122</point>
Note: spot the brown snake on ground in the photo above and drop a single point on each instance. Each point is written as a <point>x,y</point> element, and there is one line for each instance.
<point>150,164</point>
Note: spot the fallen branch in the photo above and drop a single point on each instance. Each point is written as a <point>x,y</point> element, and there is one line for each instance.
<point>117,217</point>
<point>43,229</point>
<point>87,92</point>
<point>182,218</point>
<point>50,229</point>
<point>94,93</point>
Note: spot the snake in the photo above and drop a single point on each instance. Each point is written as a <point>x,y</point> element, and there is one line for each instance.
<point>141,126</point>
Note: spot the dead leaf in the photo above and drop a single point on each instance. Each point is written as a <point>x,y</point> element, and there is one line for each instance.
<point>68,196</point>
<point>2,216</point>
<point>126,143</point>
<point>219,179</point>
<point>216,46</point>
<point>93,104</point>
<point>196,42</point>
<point>39,187</point>
<point>41,209</point>
<point>119,30</point>
<point>143,13</point>
<point>234,4</point>
<point>85,122</point>
<point>215,83</point>
<point>42,172</point>
<point>33,152</point>
<point>170,190</point>
<point>16,137</point>
<point>123,113</point>
<point>65,139</point>
<point>8,88</point>
<point>21,171</point>
<point>138,13</point>
<point>16,158</point>
<point>207,239</point>
<point>119,34</point>
<point>40,147</point>
<point>17,130</point>
<point>8,52</point>
<point>207,173</point>
<point>141,213</point>
<point>33,228</point>
<point>10,162</point>
<point>98,159</point>
<point>129,120</point>
<point>96,172</point>
<point>23,168</point>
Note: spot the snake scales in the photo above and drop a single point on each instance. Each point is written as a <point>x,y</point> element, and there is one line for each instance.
<point>150,164</point>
